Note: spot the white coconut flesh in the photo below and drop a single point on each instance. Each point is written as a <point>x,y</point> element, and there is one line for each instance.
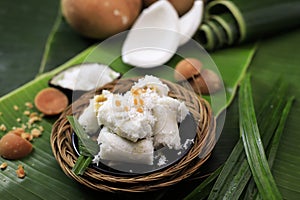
<point>85,77</point>
<point>154,37</point>
<point>190,22</point>
<point>158,32</point>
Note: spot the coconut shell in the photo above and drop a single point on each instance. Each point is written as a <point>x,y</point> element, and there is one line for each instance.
<point>100,19</point>
<point>181,6</point>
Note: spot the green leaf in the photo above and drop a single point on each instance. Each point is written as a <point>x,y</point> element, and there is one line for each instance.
<point>251,191</point>
<point>88,146</point>
<point>81,164</point>
<point>232,64</point>
<point>239,57</point>
<point>203,190</point>
<point>233,177</point>
<point>234,21</point>
<point>253,144</point>
<point>276,58</point>
<point>236,172</point>
<point>276,140</point>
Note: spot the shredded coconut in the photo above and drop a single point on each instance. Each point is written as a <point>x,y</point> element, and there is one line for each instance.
<point>145,112</point>
<point>15,107</point>
<point>187,143</point>
<point>2,127</point>
<point>162,160</point>
<point>3,166</point>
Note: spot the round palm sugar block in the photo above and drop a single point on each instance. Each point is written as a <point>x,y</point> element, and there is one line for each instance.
<point>51,101</point>
<point>13,146</point>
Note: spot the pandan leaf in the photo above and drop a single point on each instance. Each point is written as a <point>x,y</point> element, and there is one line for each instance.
<point>253,145</point>
<point>246,21</point>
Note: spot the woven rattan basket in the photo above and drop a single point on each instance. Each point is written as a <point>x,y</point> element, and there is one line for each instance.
<point>61,142</point>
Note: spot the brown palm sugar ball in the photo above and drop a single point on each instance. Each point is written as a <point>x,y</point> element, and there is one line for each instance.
<point>207,83</point>
<point>187,68</point>
<point>203,81</point>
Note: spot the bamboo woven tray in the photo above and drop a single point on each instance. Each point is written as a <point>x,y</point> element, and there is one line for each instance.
<point>61,143</point>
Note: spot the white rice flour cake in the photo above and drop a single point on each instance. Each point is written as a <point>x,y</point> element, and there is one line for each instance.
<point>136,122</point>
<point>116,148</point>
<point>88,119</point>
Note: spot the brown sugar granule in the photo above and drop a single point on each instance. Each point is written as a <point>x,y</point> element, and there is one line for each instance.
<point>34,119</point>
<point>36,133</point>
<point>3,166</point>
<point>29,105</point>
<point>16,108</point>
<point>3,127</point>
<point>140,110</point>
<point>20,172</point>
<point>26,112</point>
<point>33,114</point>
<point>126,108</point>
<point>41,128</point>
<point>23,126</point>
<point>18,131</point>
<point>141,102</point>
<point>135,101</point>
<point>100,98</point>
<point>27,136</point>
<point>118,103</point>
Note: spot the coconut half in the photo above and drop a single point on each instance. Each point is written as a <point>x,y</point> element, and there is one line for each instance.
<point>154,37</point>
<point>82,78</point>
<point>190,22</point>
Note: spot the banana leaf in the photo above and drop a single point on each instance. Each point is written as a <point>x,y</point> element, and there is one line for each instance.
<point>273,58</point>
<point>286,165</point>
<point>42,169</point>
<point>229,22</point>
<point>41,165</point>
